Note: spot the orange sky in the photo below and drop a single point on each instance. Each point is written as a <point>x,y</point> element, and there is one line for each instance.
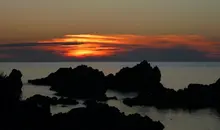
<point>120,29</point>
<point>29,20</point>
<point>105,45</point>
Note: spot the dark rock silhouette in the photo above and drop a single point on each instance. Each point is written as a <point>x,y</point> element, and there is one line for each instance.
<point>81,82</point>
<point>195,96</point>
<point>87,83</point>
<point>34,112</point>
<point>112,98</point>
<point>11,87</point>
<point>15,113</point>
<point>101,116</point>
<point>51,101</point>
<point>136,79</point>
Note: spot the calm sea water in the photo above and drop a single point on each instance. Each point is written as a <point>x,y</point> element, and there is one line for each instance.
<point>175,75</point>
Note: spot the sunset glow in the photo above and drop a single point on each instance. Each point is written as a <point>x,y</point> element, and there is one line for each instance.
<point>106,45</point>
<point>88,50</point>
<point>85,38</point>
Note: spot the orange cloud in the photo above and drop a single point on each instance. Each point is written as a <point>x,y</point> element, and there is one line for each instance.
<point>105,45</point>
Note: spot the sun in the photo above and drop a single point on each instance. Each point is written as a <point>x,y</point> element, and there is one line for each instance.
<point>80,53</point>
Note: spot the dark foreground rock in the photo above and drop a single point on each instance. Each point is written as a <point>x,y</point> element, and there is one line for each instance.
<point>51,101</point>
<point>195,96</point>
<point>101,116</point>
<point>16,114</point>
<point>81,82</point>
<point>34,113</point>
<point>10,87</point>
<point>28,115</point>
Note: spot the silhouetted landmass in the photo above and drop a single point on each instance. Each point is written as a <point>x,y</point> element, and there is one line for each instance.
<point>52,101</point>
<point>195,96</point>
<point>142,78</point>
<point>16,114</point>
<point>101,116</point>
<point>11,86</point>
<point>81,82</point>
<point>145,80</point>
<point>87,83</point>
<point>135,79</point>
<point>34,113</point>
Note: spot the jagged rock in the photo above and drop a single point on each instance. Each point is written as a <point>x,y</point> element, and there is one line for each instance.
<point>86,82</point>
<point>11,87</point>
<point>34,113</point>
<point>195,96</point>
<point>101,116</point>
<point>51,101</point>
<point>141,77</point>
<point>81,82</point>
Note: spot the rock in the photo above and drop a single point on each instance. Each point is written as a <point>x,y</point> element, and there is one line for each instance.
<point>11,87</point>
<point>112,98</point>
<point>141,77</point>
<point>34,112</point>
<point>97,115</point>
<point>17,113</point>
<point>195,96</point>
<point>81,82</point>
<point>85,82</point>
<point>67,101</point>
<point>51,101</point>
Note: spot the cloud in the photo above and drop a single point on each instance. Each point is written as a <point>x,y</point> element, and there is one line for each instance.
<point>115,48</point>
<point>151,54</point>
<point>36,44</point>
<point>30,55</point>
<point>196,42</point>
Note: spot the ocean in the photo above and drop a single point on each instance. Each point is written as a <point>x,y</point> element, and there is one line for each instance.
<point>176,75</point>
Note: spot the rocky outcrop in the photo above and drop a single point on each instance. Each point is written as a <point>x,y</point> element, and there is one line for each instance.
<point>35,115</point>
<point>51,101</point>
<point>195,96</point>
<point>87,83</point>
<point>11,87</point>
<point>34,112</point>
<point>101,116</point>
<point>141,77</point>
<point>81,82</point>
<point>17,114</point>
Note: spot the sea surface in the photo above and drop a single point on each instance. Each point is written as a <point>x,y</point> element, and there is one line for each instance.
<point>176,75</point>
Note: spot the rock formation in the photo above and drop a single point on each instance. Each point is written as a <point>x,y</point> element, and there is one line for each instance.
<point>81,82</point>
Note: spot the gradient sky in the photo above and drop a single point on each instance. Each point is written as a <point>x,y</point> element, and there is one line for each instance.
<point>176,30</point>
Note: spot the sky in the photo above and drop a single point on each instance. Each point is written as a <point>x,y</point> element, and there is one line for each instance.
<point>110,30</point>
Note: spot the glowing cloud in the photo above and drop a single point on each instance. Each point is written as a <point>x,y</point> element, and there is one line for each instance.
<point>105,45</point>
